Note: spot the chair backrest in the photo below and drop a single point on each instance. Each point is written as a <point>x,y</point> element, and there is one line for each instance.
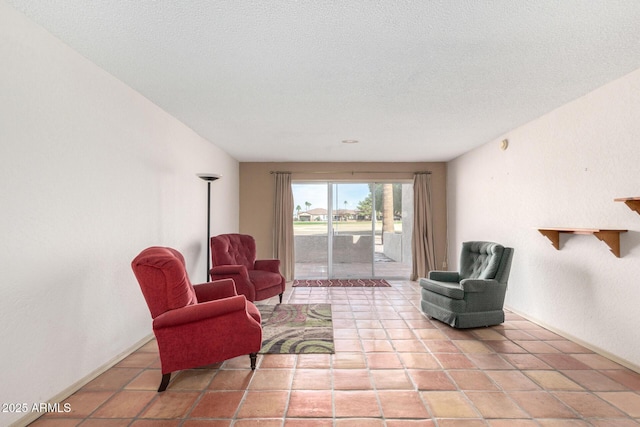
<point>233,249</point>
<point>480,260</point>
<point>163,279</point>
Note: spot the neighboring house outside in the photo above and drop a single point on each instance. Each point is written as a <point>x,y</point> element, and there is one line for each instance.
<point>317,214</point>
<point>344,215</point>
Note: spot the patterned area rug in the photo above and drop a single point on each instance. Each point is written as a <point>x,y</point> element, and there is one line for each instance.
<point>296,329</point>
<point>343,283</point>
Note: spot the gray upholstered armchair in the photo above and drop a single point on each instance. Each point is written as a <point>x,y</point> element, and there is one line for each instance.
<point>474,296</point>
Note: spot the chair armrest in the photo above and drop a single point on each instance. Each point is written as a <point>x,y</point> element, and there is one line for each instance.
<point>444,276</point>
<point>272,265</point>
<point>478,285</point>
<point>216,289</point>
<point>198,312</point>
<point>228,269</point>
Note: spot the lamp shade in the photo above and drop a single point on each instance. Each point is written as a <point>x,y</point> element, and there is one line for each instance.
<point>209,176</point>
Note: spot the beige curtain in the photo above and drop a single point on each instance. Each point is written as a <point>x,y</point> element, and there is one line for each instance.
<point>422,244</point>
<point>283,225</point>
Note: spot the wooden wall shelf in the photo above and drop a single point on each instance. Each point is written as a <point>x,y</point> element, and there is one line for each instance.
<point>610,237</point>
<point>632,202</point>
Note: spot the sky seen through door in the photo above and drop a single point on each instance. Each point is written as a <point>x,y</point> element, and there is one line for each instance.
<point>316,194</point>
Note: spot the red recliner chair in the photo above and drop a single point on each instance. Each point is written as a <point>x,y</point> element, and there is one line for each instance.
<point>194,325</point>
<point>234,256</point>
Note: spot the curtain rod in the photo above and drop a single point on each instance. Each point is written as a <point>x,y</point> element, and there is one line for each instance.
<point>352,172</point>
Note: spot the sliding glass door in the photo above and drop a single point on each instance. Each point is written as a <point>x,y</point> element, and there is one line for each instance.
<point>352,229</point>
<point>393,225</point>
<point>310,230</point>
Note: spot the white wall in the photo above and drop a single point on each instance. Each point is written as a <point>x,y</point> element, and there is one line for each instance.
<point>91,173</point>
<point>563,170</point>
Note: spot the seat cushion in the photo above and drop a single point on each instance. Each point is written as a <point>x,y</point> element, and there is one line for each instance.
<point>448,289</point>
<point>264,279</point>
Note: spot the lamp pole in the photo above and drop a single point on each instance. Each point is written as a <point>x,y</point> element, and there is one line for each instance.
<point>209,177</point>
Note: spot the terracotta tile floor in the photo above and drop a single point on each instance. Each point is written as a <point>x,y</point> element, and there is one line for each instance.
<point>393,367</point>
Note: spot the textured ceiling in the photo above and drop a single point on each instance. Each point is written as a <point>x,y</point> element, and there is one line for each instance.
<point>411,80</point>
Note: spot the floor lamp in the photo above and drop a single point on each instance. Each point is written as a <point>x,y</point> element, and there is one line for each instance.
<point>209,177</point>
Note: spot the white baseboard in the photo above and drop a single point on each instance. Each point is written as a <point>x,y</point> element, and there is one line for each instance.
<point>600,351</point>
<point>27,419</point>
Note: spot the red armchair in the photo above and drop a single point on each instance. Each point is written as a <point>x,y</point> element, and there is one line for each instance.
<point>194,325</point>
<point>234,256</point>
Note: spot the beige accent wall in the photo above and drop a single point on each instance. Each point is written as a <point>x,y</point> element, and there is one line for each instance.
<point>257,192</point>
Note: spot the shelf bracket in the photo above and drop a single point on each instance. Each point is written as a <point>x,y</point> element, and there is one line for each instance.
<point>610,237</point>
<point>552,235</point>
<point>632,202</point>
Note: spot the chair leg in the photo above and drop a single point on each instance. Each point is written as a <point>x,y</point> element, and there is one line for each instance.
<point>165,382</point>
<point>280,298</point>
<point>254,358</point>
